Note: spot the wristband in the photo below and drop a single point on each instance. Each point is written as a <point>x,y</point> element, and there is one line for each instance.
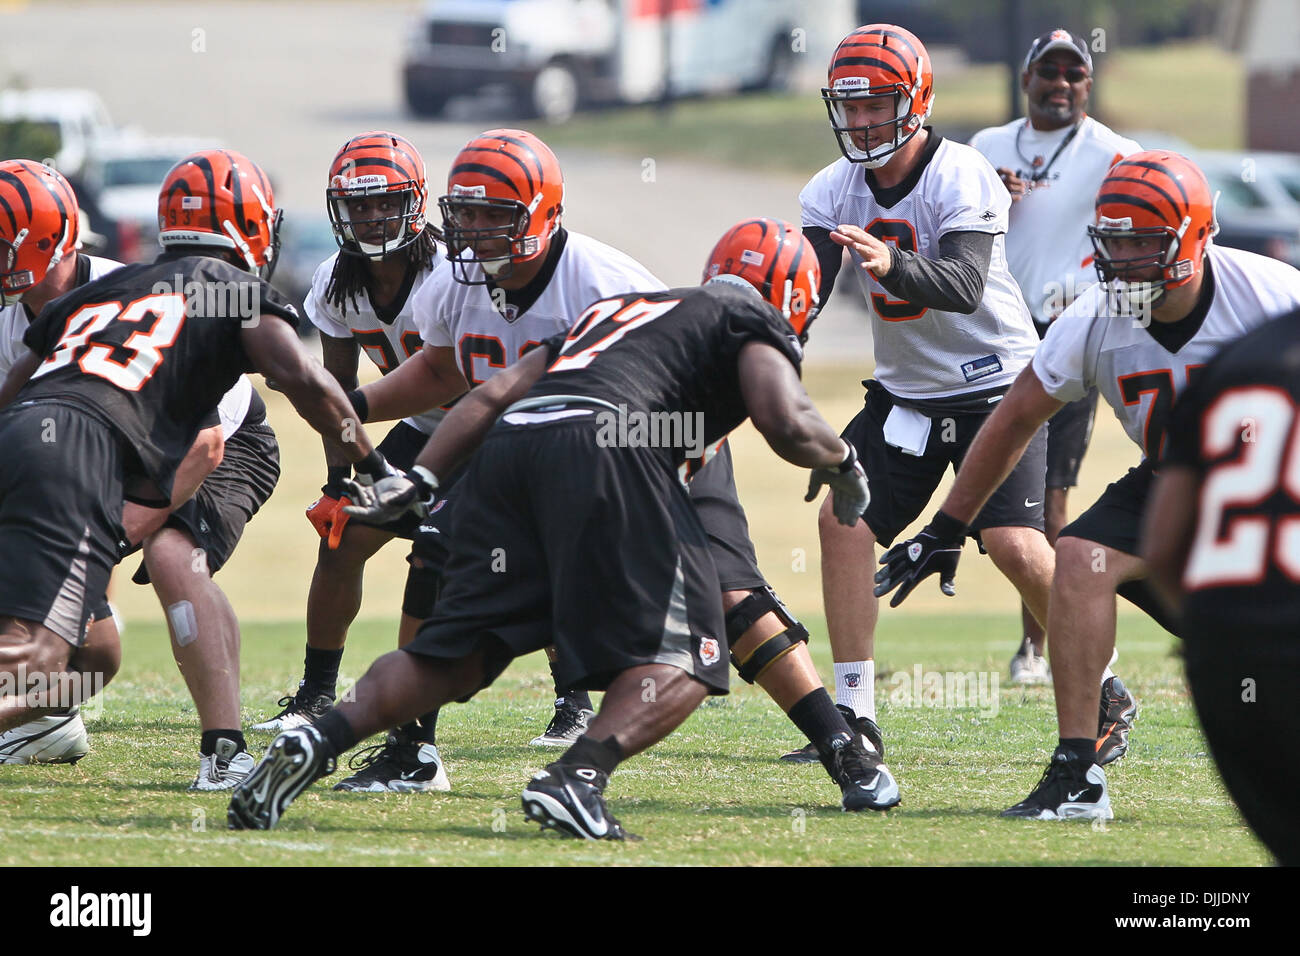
<point>372,465</point>
<point>336,474</point>
<point>360,404</point>
<point>948,528</point>
<point>428,478</point>
<point>850,459</point>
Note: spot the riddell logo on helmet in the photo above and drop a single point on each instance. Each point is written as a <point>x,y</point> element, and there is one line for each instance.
<point>1105,222</point>
<point>473,192</point>
<point>852,83</point>
<point>359,182</point>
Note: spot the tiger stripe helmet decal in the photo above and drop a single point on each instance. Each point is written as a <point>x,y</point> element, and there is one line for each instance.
<point>220,198</point>
<point>1154,194</point>
<point>374,164</point>
<point>775,258</point>
<point>506,184</point>
<point>39,224</point>
<point>879,60</point>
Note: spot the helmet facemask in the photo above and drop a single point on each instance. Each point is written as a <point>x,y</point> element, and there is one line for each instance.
<point>13,282</point>
<point>398,230</point>
<point>520,247</point>
<point>1140,294</point>
<point>905,124</point>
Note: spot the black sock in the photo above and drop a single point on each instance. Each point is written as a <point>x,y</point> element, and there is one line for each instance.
<point>1082,747</point>
<point>338,733</point>
<point>208,740</point>
<point>603,755</point>
<point>577,698</point>
<point>425,730</point>
<point>819,719</point>
<point>320,672</point>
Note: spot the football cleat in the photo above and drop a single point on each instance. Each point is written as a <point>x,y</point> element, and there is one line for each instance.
<point>865,726</point>
<point>1119,710</point>
<point>865,782</point>
<point>398,765</point>
<point>1070,789</point>
<point>572,800</point>
<point>294,760</point>
<point>567,725</point>
<point>1029,668</point>
<point>224,768</point>
<point>301,709</point>
<point>55,738</point>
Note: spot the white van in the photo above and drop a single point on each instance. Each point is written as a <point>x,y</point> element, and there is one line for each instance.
<point>76,119</point>
<point>554,55</point>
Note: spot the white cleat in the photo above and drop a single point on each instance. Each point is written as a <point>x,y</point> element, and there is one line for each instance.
<point>57,738</point>
<point>224,769</point>
<point>1030,668</point>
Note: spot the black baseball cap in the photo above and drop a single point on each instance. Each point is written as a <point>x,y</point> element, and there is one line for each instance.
<point>1058,39</point>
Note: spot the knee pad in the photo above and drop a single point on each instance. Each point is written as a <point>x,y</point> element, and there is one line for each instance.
<point>744,615</point>
<point>422,586</point>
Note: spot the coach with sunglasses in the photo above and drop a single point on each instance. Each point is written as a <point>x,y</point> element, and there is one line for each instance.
<point>1052,163</point>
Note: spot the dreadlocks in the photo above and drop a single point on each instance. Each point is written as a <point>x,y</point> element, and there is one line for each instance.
<point>348,280</point>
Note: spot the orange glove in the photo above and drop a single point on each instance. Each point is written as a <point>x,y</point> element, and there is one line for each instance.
<point>328,517</point>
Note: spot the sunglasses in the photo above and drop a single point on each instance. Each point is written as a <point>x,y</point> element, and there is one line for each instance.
<point>1050,71</point>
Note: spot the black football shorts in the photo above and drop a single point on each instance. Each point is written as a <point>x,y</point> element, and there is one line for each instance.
<point>61,484</point>
<point>596,550</point>
<point>902,484</point>
<point>713,492</point>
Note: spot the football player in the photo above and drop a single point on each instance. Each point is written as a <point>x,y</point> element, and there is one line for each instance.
<point>1220,540</point>
<point>520,277</point>
<point>924,219</point>
<point>1167,302</point>
<point>1052,162</point>
<point>629,594</point>
<point>241,447</point>
<point>362,301</point>
<point>132,375</point>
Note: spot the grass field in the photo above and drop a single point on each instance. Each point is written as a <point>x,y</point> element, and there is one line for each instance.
<point>712,793</point>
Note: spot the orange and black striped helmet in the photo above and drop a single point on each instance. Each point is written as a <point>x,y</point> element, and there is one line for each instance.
<point>879,60</point>
<point>371,165</point>
<point>221,199</point>
<point>38,225</point>
<point>1154,194</point>
<point>505,184</point>
<point>775,258</point>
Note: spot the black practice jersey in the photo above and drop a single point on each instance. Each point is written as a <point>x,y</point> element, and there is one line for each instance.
<point>1238,425</point>
<point>663,356</point>
<point>150,350</point>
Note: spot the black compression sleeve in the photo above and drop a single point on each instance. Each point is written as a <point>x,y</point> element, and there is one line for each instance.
<point>952,283</point>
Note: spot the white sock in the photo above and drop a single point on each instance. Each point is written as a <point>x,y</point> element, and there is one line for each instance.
<point>1107,674</point>
<point>855,687</point>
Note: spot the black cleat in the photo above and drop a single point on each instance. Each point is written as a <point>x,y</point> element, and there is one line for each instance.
<point>863,725</point>
<point>292,762</point>
<point>398,765</point>
<point>572,800</point>
<point>865,782</point>
<point>567,724</point>
<point>1119,710</point>
<point>300,710</point>
<point>1070,789</point>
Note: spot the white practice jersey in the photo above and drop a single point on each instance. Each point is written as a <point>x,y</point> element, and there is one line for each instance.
<point>1089,344</point>
<point>1047,243</point>
<point>925,353</point>
<point>463,317</point>
<point>387,344</point>
<point>14,322</point>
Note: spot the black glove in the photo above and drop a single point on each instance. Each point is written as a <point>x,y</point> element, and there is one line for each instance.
<point>935,550</point>
<point>848,482</point>
<point>392,496</point>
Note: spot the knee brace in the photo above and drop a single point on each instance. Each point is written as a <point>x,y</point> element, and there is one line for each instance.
<point>744,615</point>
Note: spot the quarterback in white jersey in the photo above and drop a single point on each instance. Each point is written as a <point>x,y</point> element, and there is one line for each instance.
<point>1052,162</point>
<point>1168,303</point>
<point>924,219</point>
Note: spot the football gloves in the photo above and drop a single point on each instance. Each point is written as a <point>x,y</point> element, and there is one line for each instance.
<point>848,483</point>
<point>326,513</point>
<point>391,496</point>
<point>935,550</point>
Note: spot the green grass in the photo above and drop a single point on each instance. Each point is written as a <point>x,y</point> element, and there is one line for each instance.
<point>1192,90</point>
<point>711,794</point>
